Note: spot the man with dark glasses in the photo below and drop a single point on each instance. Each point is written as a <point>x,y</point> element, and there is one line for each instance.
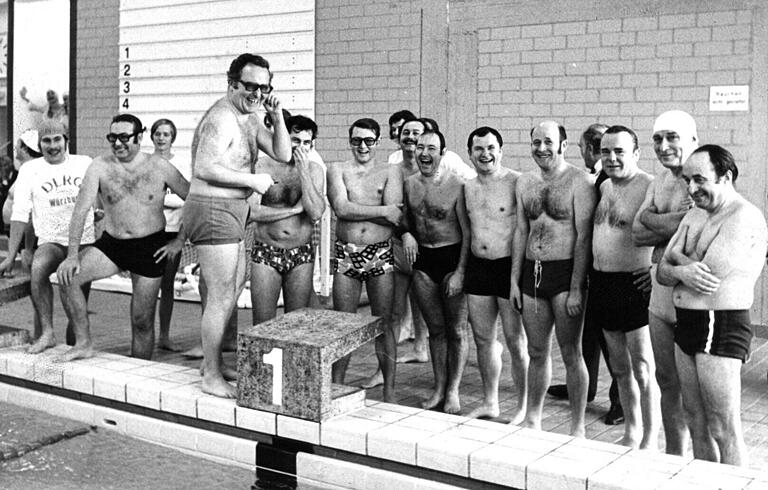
<point>131,186</point>
<point>224,150</point>
<point>367,197</point>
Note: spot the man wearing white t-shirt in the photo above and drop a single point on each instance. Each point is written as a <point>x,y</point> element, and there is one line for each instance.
<point>48,187</point>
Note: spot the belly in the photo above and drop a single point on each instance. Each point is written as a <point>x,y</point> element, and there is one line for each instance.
<point>362,232</point>
<point>290,232</point>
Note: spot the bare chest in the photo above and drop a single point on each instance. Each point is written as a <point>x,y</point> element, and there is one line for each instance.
<point>550,198</point>
<point>366,186</point>
<point>493,202</point>
<point>432,203</point>
<point>141,185</point>
<point>286,192</point>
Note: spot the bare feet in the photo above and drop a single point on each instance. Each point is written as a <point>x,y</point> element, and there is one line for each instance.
<point>45,341</point>
<point>485,411</point>
<point>216,385</point>
<point>413,356</point>
<point>195,352</point>
<point>433,401</point>
<point>226,371</point>
<point>166,344</point>
<point>517,416</point>
<point>578,431</point>
<point>76,352</point>
<point>452,403</point>
<point>374,381</point>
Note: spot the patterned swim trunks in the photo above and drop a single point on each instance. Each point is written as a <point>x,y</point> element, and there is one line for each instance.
<point>362,262</point>
<point>282,259</point>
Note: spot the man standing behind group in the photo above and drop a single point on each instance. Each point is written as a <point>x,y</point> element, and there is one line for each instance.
<point>437,246</point>
<point>713,262</point>
<point>616,304</point>
<point>367,198</point>
<point>48,187</point>
<point>131,186</point>
<point>282,256</point>
<point>552,249</point>
<point>224,150</point>
<point>665,204</point>
<point>490,201</point>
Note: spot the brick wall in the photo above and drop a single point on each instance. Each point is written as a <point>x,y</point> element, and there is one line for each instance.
<point>96,74</point>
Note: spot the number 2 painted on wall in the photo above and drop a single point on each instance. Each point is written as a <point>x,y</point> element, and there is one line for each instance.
<point>275,359</point>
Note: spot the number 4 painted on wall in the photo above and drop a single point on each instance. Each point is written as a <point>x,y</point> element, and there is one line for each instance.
<point>275,359</point>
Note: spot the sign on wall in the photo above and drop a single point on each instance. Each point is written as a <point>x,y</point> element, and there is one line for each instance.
<point>729,98</point>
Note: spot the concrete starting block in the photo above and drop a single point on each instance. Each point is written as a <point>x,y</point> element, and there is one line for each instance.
<point>11,337</point>
<point>284,365</point>
<point>13,288</point>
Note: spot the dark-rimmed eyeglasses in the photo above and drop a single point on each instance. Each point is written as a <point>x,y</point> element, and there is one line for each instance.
<point>358,141</point>
<point>124,138</point>
<point>253,87</point>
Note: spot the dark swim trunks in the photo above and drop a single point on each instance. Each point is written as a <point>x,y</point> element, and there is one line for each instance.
<point>724,333</point>
<point>438,262</point>
<point>546,279</point>
<point>134,254</point>
<point>282,259</point>
<point>486,277</point>
<point>614,302</point>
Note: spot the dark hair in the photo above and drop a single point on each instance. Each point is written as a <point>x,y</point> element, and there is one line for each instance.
<point>31,151</point>
<point>161,122</point>
<point>722,160</point>
<point>593,135</point>
<point>366,123</point>
<point>404,114</point>
<point>129,118</point>
<point>560,129</point>
<point>268,122</point>
<point>429,124</point>
<point>617,128</point>
<point>236,68</point>
<point>483,131</point>
<point>439,135</point>
<point>301,123</point>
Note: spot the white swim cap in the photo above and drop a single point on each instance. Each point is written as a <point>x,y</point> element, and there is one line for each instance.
<point>31,139</point>
<point>678,121</point>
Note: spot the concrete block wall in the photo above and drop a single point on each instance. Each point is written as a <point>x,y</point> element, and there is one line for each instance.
<point>96,88</point>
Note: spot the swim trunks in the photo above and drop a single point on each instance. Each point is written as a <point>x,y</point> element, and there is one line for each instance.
<point>212,220</point>
<point>438,262</point>
<point>546,279</point>
<point>724,333</point>
<point>282,259</point>
<point>134,254</point>
<point>486,277</point>
<point>661,304</point>
<point>363,262</point>
<point>614,303</point>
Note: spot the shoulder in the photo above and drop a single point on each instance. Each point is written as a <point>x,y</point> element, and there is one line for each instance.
<point>747,214</point>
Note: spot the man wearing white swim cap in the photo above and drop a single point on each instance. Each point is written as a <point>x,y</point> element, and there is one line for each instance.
<point>667,201</point>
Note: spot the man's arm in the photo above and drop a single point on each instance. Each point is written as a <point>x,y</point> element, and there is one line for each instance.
<point>351,211</point>
<point>310,174</point>
<point>267,214</point>
<point>584,201</point>
<point>215,138</point>
<point>642,235</point>
<point>275,143</point>
<point>19,216</point>
<point>676,267</point>
<point>455,282</point>
<point>175,181</point>
<point>86,198</point>
<point>519,244</point>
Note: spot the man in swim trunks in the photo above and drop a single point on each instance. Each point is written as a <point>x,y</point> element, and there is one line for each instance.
<point>367,198</point>
<point>437,246</point>
<point>224,150</point>
<point>665,204</point>
<point>282,256</point>
<point>713,262</point>
<point>131,186</point>
<point>490,202</point>
<point>47,187</point>
<point>553,240</point>
<point>616,304</point>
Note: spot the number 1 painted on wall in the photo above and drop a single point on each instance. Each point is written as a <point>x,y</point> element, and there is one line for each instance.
<point>275,359</point>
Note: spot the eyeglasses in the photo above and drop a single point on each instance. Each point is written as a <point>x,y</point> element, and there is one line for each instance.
<point>123,137</point>
<point>358,141</point>
<point>252,87</point>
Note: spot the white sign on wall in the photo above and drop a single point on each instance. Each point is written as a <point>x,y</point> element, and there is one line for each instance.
<point>729,98</point>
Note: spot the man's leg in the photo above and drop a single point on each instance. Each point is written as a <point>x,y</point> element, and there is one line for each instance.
<point>455,312</point>
<point>568,333</point>
<point>720,385</point>
<point>143,302</point>
<point>47,258</point>
<point>640,352</point>
<point>380,291</point>
<point>266,283</point>
<point>704,446</point>
<point>628,389</point>
<point>518,349</point>
<point>672,414</point>
<point>538,320</point>
<point>167,296</point>
<point>221,266</point>
<point>93,265</point>
<point>615,413</point>
<point>298,287</point>
<point>430,300</point>
<point>420,342</point>
<point>346,296</point>
<point>591,344</point>
<point>483,311</point>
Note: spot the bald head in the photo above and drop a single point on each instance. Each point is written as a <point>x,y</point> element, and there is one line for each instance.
<point>548,143</point>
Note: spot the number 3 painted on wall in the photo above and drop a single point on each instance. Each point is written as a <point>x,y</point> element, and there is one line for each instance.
<point>275,359</point>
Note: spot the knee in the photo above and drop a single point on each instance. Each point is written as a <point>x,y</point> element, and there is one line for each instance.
<point>537,353</point>
<point>721,426</point>
<point>143,321</point>
<point>667,379</point>
<point>642,372</point>
<point>571,354</point>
